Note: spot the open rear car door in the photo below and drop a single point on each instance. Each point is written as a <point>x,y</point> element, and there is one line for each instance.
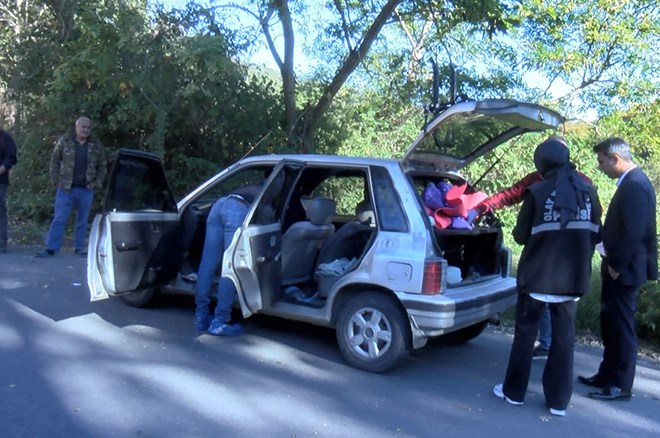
<point>255,256</point>
<point>133,241</point>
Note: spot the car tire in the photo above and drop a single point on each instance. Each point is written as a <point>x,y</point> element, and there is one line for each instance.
<point>139,298</point>
<point>373,332</point>
<point>465,334</point>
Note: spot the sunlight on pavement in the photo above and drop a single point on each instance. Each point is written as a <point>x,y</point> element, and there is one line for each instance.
<point>10,337</point>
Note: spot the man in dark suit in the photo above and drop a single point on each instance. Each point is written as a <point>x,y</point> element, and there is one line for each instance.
<point>630,250</point>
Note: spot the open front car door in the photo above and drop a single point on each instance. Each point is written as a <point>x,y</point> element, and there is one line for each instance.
<point>133,242</point>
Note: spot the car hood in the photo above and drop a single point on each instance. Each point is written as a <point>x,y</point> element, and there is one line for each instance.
<point>467,130</point>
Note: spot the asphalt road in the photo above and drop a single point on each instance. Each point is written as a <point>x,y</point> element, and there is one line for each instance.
<point>69,367</point>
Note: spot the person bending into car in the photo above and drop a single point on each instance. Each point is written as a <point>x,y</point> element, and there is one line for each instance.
<point>510,196</point>
<point>226,216</point>
<point>559,226</point>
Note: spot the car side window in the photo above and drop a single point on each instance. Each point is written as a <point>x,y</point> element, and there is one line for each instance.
<point>245,176</point>
<point>138,183</point>
<point>346,191</point>
<point>391,216</point>
<point>271,204</point>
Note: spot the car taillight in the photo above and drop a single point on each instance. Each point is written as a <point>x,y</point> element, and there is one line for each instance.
<point>434,272</point>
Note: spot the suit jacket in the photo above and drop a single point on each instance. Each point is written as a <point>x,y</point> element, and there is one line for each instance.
<point>629,231</point>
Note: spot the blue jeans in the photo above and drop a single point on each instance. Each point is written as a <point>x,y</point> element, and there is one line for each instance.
<point>545,328</point>
<point>3,215</point>
<point>226,216</point>
<point>81,199</point>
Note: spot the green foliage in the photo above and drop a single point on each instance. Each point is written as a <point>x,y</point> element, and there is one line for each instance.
<point>146,84</point>
<point>648,312</point>
<point>169,82</point>
<point>588,312</point>
<point>604,52</point>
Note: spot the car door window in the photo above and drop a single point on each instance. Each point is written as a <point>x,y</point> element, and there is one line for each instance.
<point>346,190</point>
<point>138,183</point>
<point>388,205</point>
<point>463,133</point>
<point>245,176</point>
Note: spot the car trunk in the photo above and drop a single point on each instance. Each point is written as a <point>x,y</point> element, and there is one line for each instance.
<point>454,139</point>
<point>477,253</point>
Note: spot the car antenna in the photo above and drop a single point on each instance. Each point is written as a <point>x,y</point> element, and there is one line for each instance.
<point>257,144</point>
<point>487,171</point>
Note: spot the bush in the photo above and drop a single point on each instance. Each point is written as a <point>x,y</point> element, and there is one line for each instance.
<point>648,313</point>
<point>587,320</point>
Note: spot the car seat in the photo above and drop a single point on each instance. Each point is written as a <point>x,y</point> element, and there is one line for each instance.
<point>302,241</point>
<point>349,242</point>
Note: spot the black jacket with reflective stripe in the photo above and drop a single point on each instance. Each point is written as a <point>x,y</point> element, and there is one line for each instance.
<point>556,260</point>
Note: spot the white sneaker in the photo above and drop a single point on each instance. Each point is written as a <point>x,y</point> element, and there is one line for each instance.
<point>558,412</point>
<point>497,390</point>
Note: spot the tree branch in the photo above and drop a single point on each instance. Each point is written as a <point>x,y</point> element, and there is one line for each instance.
<point>344,24</point>
<point>263,22</point>
<point>351,62</point>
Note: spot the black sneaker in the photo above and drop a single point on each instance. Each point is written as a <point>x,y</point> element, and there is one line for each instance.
<point>45,254</point>
<point>81,252</point>
<point>540,353</point>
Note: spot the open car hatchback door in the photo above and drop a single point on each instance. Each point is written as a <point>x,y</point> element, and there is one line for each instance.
<point>133,241</point>
<point>467,130</point>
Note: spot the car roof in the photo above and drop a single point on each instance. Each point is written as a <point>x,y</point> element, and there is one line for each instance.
<point>322,159</point>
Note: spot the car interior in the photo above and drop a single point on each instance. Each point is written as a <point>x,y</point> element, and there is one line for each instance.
<point>477,252</point>
<point>327,223</point>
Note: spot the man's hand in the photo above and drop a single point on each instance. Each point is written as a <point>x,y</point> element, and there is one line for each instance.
<point>612,273</point>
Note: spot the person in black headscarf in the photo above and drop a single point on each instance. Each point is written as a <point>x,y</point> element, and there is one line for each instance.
<point>559,226</point>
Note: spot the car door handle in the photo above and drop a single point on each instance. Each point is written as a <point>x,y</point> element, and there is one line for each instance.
<point>128,246</point>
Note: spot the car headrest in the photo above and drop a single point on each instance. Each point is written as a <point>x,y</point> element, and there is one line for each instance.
<point>320,211</point>
<point>364,213</point>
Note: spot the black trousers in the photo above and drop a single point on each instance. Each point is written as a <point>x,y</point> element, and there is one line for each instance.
<point>618,303</point>
<point>558,372</point>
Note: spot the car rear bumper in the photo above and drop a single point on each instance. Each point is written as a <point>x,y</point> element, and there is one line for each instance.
<point>434,315</point>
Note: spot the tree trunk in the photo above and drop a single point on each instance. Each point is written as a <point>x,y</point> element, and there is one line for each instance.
<point>286,69</point>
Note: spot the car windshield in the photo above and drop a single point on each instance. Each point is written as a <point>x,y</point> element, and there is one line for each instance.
<point>462,133</point>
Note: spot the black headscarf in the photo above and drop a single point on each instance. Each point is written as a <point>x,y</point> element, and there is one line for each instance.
<point>551,159</point>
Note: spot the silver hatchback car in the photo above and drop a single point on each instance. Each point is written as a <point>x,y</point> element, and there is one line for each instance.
<point>340,242</point>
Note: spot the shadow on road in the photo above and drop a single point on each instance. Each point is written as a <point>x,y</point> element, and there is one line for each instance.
<point>75,368</point>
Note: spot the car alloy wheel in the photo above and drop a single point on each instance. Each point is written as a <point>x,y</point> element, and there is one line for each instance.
<point>372,332</point>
